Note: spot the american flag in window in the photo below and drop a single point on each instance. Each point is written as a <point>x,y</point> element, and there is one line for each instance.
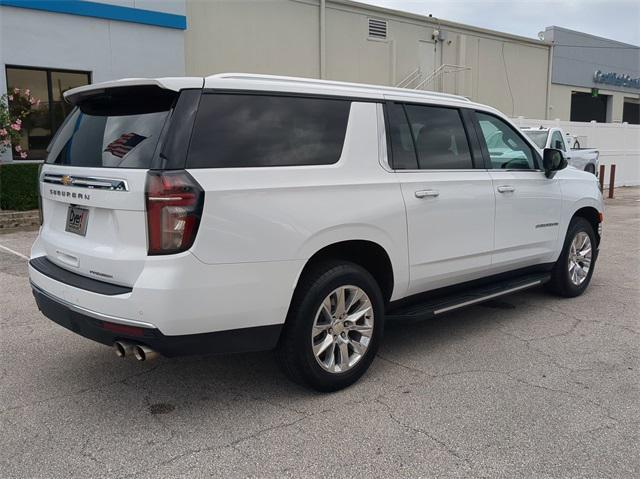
<point>124,144</point>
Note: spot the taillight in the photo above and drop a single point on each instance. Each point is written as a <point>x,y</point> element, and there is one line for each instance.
<point>174,207</point>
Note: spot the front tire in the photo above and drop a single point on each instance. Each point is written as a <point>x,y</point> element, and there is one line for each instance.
<point>334,327</point>
<point>573,270</point>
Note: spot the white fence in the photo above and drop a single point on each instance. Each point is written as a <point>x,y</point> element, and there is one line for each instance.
<point>618,143</point>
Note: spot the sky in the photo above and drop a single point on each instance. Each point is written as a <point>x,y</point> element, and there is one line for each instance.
<point>614,19</point>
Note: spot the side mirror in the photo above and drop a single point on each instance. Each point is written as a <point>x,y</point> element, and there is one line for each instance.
<point>553,160</point>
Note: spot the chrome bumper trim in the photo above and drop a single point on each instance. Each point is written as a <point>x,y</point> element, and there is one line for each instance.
<point>93,314</point>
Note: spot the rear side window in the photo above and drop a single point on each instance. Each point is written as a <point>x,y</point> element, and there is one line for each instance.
<point>243,130</point>
<point>427,138</point>
<point>403,150</point>
<point>113,129</point>
<point>441,141</point>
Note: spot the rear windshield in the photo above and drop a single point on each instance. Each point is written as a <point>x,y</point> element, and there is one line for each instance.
<point>117,128</point>
<point>107,141</point>
<point>539,137</point>
<point>238,130</point>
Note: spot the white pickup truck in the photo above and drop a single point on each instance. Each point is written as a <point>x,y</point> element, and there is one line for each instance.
<point>582,158</point>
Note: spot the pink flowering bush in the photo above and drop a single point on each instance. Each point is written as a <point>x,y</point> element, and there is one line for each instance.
<point>15,107</point>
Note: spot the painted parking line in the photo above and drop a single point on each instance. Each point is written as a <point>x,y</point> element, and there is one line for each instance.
<point>14,252</point>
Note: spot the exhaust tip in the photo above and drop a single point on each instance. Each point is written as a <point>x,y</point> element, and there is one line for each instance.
<point>143,353</point>
<point>122,348</point>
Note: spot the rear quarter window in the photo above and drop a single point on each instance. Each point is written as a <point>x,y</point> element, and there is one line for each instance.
<point>248,130</point>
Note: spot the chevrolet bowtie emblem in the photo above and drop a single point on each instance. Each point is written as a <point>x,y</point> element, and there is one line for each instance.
<point>66,180</point>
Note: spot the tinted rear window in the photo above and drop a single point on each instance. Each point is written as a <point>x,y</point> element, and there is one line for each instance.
<point>116,128</point>
<point>239,130</point>
<point>107,141</point>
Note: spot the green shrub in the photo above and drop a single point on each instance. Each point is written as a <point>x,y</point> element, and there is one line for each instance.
<point>19,186</point>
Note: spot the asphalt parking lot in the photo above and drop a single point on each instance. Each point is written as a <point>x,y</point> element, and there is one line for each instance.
<point>528,386</point>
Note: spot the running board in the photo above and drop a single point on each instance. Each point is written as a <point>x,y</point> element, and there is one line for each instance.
<point>432,307</point>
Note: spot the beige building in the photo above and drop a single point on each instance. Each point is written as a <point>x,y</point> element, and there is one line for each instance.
<point>349,41</point>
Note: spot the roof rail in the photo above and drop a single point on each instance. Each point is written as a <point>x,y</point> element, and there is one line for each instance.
<point>355,86</point>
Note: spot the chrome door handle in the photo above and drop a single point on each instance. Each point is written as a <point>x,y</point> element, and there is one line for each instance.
<point>427,193</point>
<point>506,189</point>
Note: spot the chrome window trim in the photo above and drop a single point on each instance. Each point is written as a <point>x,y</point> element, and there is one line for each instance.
<point>465,170</point>
<point>527,170</point>
<point>92,182</point>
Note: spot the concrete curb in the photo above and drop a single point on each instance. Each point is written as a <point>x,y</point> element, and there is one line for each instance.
<point>15,220</point>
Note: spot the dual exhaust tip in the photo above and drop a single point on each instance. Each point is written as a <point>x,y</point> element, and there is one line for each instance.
<point>141,352</point>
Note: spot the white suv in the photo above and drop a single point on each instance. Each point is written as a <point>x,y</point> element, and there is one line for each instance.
<point>244,212</point>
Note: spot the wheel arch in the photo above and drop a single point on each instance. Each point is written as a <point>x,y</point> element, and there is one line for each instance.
<point>592,215</point>
<point>365,253</point>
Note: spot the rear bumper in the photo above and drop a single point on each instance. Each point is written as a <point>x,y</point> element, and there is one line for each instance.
<point>84,323</point>
<point>180,295</point>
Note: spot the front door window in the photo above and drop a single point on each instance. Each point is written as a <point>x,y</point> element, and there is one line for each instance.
<point>507,150</point>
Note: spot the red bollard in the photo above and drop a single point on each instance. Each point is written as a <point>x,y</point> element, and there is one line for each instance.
<point>612,180</point>
<point>601,178</point>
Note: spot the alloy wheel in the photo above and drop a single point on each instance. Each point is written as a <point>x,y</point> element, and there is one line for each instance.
<point>579,262</point>
<point>342,329</point>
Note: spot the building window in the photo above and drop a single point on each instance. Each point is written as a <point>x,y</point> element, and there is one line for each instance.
<point>587,107</point>
<point>631,111</point>
<point>48,86</point>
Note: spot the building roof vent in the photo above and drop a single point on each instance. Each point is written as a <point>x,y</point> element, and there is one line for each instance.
<point>377,28</point>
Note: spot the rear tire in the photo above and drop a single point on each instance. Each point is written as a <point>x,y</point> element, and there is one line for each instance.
<point>334,327</point>
<point>590,168</point>
<point>572,272</point>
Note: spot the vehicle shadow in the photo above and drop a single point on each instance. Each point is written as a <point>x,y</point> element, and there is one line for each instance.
<point>192,384</point>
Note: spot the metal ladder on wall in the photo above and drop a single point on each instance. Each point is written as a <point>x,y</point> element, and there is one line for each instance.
<point>416,80</point>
